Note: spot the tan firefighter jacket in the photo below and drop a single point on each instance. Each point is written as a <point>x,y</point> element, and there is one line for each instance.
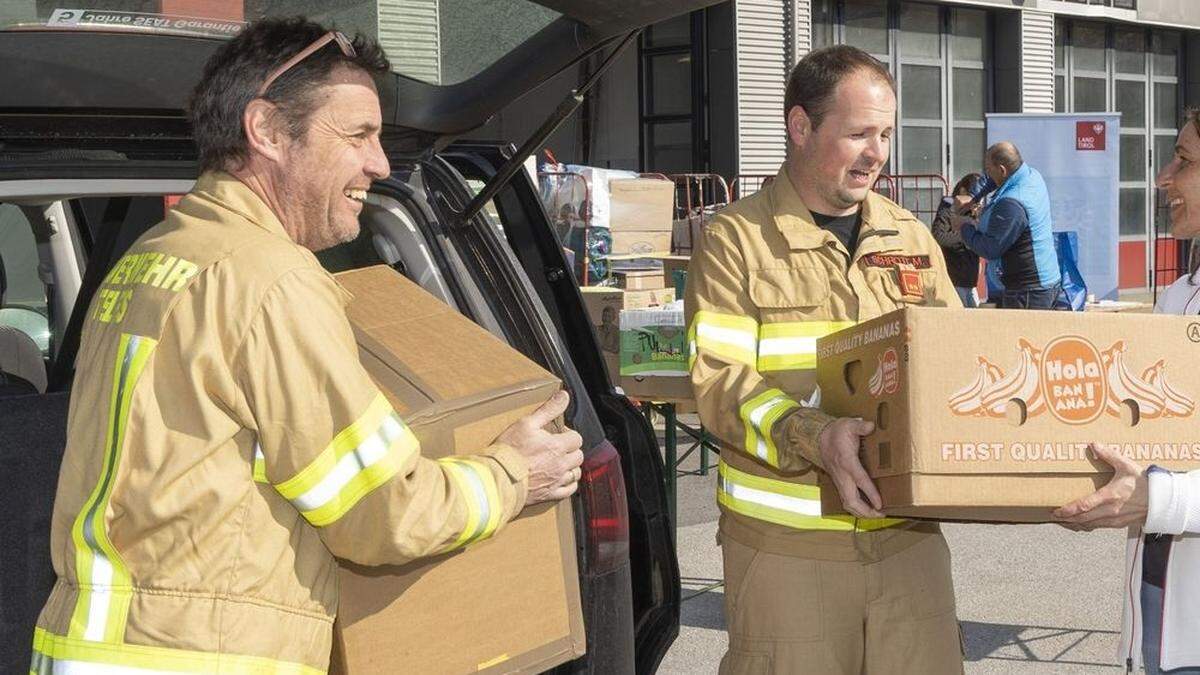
<point>764,283</point>
<point>224,444</point>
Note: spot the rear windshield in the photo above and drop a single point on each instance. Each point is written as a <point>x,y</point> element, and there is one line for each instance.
<point>436,41</point>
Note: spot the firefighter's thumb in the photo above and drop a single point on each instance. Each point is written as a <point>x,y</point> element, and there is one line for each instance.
<point>863,427</point>
<point>550,410</point>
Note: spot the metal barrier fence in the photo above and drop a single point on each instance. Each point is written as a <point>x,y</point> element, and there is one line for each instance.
<point>920,193</point>
<point>697,196</point>
<point>886,186</point>
<point>747,184</point>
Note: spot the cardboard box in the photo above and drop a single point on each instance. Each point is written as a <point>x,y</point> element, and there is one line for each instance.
<point>654,342</point>
<point>643,204</point>
<point>684,233</point>
<point>644,243</point>
<point>653,359</point>
<point>598,299</point>
<point>604,305</point>
<point>507,604</point>
<point>659,388</point>
<point>639,280</point>
<point>986,415</point>
<point>672,264</point>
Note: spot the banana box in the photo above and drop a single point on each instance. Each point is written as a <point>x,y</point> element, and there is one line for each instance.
<point>987,415</point>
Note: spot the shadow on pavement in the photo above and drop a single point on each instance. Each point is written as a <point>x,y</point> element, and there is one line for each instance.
<point>703,610</point>
<point>1040,644</point>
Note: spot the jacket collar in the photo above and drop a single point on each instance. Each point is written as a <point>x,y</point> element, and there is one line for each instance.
<point>232,194</point>
<point>236,196</point>
<point>795,222</point>
<point>1012,182</point>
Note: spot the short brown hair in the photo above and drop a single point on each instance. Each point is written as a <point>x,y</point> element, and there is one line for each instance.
<point>815,78</point>
<point>235,71</point>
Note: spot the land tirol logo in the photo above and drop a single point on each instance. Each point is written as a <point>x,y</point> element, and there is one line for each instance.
<point>1074,381</point>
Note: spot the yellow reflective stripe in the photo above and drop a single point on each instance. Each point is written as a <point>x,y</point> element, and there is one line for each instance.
<point>782,503</point>
<point>792,345</point>
<point>343,443</point>
<point>477,485</point>
<point>260,465</point>
<point>733,338</point>
<point>57,653</point>
<point>759,415</point>
<point>359,459</point>
<point>105,587</point>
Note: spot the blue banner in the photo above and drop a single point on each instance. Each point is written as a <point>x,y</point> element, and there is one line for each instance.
<point>1078,154</point>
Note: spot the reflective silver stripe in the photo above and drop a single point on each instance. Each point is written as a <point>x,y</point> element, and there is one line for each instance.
<point>480,496</point>
<point>102,569</point>
<point>369,451</point>
<point>730,336</point>
<point>787,345</point>
<point>796,505</point>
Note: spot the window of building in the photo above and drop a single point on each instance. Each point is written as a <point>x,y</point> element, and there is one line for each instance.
<point>939,56</point>
<point>1134,71</point>
<point>1119,4</point>
<point>672,95</point>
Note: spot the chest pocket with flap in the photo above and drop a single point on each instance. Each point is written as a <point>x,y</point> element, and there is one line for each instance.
<point>783,289</point>
<point>792,305</point>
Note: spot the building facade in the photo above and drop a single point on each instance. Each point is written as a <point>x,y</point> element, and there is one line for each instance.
<point>954,62</point>
<point>704,92</point>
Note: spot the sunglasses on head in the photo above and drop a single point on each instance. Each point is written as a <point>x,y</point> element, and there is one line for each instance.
<point>342,41</point>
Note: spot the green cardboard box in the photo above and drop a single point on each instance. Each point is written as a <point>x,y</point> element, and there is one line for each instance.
<point>653,342</point>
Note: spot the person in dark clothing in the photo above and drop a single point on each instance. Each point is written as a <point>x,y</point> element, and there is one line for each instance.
<point>961,262</point>
<point>1015,228</point>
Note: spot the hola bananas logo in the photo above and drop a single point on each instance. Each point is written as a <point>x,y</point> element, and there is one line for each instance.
<point>1074,381</point>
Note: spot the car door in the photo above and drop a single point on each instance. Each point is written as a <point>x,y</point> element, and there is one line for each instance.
<point>526,229</point>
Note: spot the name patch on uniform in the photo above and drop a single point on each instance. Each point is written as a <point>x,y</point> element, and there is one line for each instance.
<point>917,262</point>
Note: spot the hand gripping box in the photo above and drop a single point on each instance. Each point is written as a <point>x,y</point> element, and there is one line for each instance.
<point>986,415</point>
<point>506,604</point>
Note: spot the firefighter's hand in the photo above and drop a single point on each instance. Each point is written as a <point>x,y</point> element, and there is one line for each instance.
<point>1121,503</point>
<point>840,442</point>
<point>555,459</point>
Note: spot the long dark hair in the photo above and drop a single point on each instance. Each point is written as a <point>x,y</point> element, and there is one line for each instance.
<point>967,184</point>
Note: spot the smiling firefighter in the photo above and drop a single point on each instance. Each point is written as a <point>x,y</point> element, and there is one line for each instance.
<point>812,253</point>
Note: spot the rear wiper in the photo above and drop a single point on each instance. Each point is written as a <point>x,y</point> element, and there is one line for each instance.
<point>514,163</point>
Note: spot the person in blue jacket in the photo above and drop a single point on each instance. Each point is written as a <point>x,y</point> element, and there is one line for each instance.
<point>1015,229</point>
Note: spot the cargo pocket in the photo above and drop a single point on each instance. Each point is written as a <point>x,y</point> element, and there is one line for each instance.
<point>779,598</point>
<point>789,289</point>
<point>740,662</point>
<point>933,594</point>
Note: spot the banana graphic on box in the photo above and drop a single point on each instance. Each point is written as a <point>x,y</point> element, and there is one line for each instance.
<point>989,394</point>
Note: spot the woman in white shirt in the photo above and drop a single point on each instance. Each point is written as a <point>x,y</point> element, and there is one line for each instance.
<point>1161,628</point>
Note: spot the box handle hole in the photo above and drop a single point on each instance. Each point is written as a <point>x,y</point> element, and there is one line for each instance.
<point>852,373</point>
<point>882,416</point>
<point>1016,411</point>
<point>1131,414</point>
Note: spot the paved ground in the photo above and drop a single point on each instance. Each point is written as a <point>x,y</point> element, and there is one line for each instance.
<point>1032,599</point>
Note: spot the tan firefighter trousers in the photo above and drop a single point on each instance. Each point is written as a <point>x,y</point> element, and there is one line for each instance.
<point>881,613</point>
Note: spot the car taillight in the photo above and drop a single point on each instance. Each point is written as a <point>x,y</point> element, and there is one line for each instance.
<point>602,486</point>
